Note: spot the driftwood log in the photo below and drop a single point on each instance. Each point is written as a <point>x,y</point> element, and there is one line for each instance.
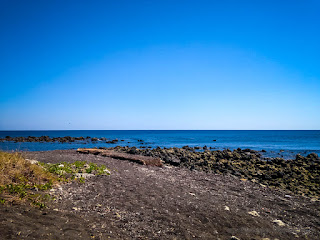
<point>144,160</point>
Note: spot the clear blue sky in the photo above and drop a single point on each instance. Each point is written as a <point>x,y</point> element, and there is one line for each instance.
<point>159,64</point>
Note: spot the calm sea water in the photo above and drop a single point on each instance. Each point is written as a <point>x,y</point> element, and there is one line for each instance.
<point>292,142</point>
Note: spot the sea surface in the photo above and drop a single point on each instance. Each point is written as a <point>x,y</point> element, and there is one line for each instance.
<point>278,143</point>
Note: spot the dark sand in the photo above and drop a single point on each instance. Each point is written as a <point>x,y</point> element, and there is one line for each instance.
<point>143,202</point>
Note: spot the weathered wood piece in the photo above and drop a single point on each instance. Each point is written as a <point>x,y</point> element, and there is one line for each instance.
<point>144,160</point>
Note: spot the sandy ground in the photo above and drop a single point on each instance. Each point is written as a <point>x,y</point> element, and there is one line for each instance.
<point>143,202</point>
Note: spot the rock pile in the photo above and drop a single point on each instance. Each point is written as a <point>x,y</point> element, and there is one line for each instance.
<point>43,139</point>
<point>300,175</point>
<point>66,139</point>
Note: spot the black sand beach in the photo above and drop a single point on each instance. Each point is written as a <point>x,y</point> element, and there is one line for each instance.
<point>145,202</point>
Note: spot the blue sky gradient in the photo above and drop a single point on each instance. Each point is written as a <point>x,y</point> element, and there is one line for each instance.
<point>159,65</point>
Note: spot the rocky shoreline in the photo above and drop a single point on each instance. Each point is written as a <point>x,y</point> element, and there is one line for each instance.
<point>300,175</point>
<point>139,201</point>
<point>66,139</point>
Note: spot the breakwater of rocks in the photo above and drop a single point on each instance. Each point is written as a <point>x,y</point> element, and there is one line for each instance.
<point>66,139</point>
<point>300,175</point>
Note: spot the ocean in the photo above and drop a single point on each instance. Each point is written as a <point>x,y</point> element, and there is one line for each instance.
<point>277,143</point>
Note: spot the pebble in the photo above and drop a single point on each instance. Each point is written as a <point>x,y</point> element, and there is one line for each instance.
<point>226,208</point>
<point>254,213</point>
<point>234,238</point>
<point>84,175</point>
<point>279,222</point>
<point>32,161</point>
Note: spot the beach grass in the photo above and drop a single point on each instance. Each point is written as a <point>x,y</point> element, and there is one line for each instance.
<point>20,180</point>
<point>23,180</point>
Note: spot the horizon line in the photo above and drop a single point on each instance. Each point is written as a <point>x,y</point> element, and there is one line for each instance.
<point>162,130</point>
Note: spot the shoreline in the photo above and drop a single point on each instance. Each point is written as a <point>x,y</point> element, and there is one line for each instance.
<point>300,175</point>
<point>139,201</point>
<point>285,144</point>
<point>265,154</point>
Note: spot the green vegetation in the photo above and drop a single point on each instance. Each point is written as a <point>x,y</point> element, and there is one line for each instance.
<point>67,171</point>
<point>22,181</point>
